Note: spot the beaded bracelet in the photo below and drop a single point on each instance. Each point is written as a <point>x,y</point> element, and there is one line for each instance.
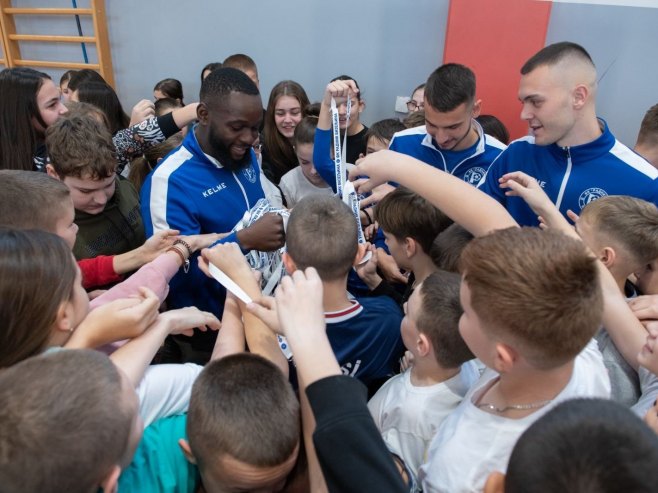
<point>186,261</point>
<point>185,244</point>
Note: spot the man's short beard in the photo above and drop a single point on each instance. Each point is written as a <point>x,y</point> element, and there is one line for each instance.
<point>224,157</point>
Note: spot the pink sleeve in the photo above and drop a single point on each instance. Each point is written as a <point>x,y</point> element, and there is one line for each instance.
<point>155,275</point>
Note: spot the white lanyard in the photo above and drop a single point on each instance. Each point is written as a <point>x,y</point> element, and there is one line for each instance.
<point>339,151</point>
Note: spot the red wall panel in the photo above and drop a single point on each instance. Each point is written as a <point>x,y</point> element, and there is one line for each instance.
<point>494,38</point>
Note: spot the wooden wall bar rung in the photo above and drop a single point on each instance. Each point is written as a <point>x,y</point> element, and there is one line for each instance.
<point>52,38</point>
<point>47,11</point>
<point>45,63</point>
<point>10,38</point>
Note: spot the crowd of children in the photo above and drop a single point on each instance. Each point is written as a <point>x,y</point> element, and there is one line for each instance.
<point>221,297</point>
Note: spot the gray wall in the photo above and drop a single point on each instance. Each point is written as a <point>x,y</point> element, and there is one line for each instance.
<point>623,41</point>
<point>389,46</point>
<point>388,50</point>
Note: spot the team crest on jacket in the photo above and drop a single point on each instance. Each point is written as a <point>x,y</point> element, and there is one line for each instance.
<point>590,195</point>
<point>249,174</point>
<point>474,175</point>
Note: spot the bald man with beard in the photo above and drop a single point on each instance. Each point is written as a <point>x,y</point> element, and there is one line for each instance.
<point>569,150</point>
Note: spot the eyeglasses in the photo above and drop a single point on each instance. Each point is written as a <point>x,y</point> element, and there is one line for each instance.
<point>257,147</point>
<point>414,106</point>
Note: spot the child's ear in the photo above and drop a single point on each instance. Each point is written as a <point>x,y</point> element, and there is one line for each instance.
<point>110,483</point>
<point>51,171</point>
<point>423,345</point>
<point>505,359</point>
<point>608,256</point>
<point>187,451</point>
<point>360,252</point>
<point>477,107</point>
<point>410,247</point>
<point>495,483</point>
<point>64,318</point>
<point>288,263</point>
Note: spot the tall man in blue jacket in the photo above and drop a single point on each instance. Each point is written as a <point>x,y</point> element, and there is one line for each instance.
<point>572,153</point>
<point>207,185</point>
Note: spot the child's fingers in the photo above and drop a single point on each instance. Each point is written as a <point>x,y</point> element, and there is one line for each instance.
<point>572,215</point>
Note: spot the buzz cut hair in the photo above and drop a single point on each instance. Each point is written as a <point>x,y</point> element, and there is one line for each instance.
<point>585,446</point>
<point>242,406</point>
<point>556,53</point>
<point>62,425</point>
<point>240,61</point>
<point>648,134</point>
<point>322,233</point>
<point>32,200</point>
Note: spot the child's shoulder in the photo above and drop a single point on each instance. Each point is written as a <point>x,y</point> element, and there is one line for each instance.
<point>380,304</point>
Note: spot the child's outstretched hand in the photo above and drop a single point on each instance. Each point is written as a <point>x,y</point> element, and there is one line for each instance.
<point>520,184</point>
<point>645,307</point>
<point>229,259</point>
<point>157,244</point>
<point>367,271</point>
<point>185,320</point>
<point>117,320</point>
<point>377,168</point>
<point>299,304</point>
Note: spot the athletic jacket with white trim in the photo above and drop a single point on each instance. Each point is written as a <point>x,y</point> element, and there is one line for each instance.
<point>469,164</point>
<point>573,176</point>
<point>192,192</point>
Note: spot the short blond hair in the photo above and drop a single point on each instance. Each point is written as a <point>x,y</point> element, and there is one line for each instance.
<point>630,222</point>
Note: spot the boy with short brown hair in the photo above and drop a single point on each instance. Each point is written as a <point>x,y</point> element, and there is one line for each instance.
<point>364,332</point>
<point>532,301</point>
<point>78,444</point>
<point>622,232</point>
<point>107,207</point>
<point>410,407</point>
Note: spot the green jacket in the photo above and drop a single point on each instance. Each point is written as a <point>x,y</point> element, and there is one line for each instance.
<point>118,229</point>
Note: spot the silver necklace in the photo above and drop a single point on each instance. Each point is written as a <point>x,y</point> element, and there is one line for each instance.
<point>517,407</point>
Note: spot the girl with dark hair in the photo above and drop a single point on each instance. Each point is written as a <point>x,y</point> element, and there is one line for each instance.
<point>29,103</point>
<point>205,71</point>
<point>168,88</point>
<point>64,85</point>
<point>103,96</point>
<point>284,112</point>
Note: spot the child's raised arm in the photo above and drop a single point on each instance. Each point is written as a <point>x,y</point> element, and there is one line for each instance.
<point>463,203</point>
<point>136,355</point>
<point>260,339</point>
<point>624,328</point>
<point>338,402</point>
<point>230,339</point>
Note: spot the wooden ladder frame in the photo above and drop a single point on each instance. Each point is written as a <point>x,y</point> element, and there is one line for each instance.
<point>11,55</point>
